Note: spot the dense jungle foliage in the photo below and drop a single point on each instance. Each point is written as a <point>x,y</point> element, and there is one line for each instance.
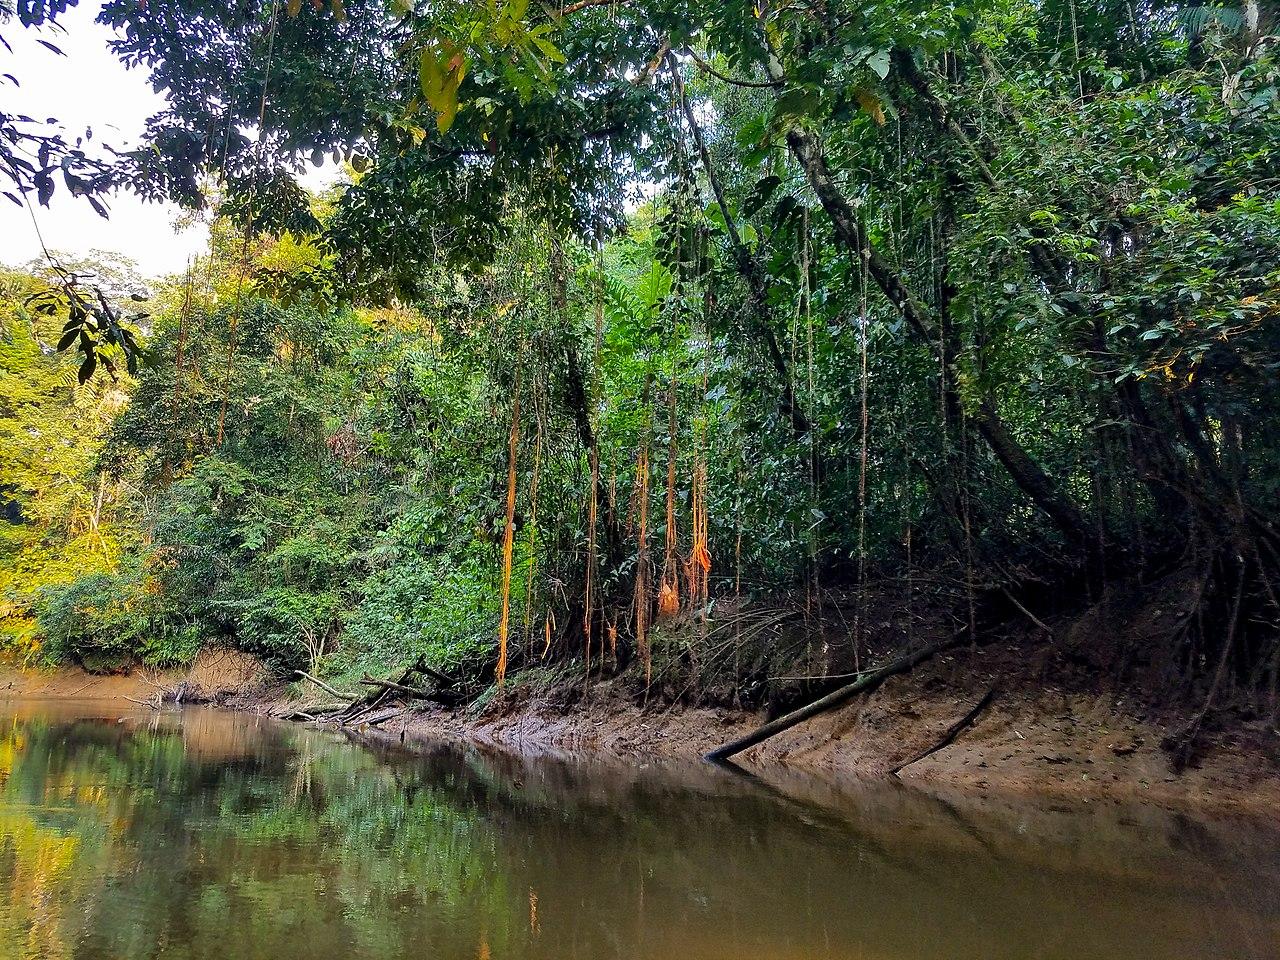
<point>625,310</point>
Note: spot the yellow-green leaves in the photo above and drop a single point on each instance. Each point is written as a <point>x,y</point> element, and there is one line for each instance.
<point>870,105</point>
<point>499,39</point>
<point>441,68</point>
<point>538,36</point>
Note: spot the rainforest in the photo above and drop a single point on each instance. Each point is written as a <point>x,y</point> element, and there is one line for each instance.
<point>737,361</point>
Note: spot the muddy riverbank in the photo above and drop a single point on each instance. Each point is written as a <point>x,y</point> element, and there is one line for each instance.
<point>1042,740</point>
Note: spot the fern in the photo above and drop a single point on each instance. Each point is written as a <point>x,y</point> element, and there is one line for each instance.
<point>1197,19</point>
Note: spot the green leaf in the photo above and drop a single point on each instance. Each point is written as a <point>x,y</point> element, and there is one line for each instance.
<point>549,50</point>
<point>879,63</point>
<point>87,367</point>
<point>760,194</point>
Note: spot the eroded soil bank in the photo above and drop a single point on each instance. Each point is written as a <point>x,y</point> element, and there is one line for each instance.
<point>1033,739</point>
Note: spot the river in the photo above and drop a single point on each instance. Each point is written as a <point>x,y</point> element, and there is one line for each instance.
<point>192,834</point>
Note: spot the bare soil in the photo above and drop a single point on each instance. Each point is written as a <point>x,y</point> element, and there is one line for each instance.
<point>1044,741</point>
<point>1036,737</point>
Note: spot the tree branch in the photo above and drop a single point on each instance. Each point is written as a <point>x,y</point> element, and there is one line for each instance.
<point>707,68</point>
<point>747,265</point>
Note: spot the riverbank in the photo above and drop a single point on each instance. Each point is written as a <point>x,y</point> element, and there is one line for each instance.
<point>1031,739</point>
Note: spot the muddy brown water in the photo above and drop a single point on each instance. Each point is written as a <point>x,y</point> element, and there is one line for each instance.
<point>126,834</point>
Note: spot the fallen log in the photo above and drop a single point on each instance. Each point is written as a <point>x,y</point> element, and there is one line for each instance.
<point>323,686</point>
<point>361,706</point>
<point>364,709</point>
<point>441,678</point>
<point>953,731</point>
<point>327,709</point>
<point>835,698</point>
<point>397,687</point>
<point>384,717</point>
<point>437,696</point>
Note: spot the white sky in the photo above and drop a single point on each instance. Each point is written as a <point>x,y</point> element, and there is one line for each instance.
<point>90,87</point>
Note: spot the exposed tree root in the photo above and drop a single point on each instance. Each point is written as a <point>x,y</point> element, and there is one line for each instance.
<point>954,730</point>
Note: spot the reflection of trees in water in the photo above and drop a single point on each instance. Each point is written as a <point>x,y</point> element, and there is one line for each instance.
<point>215,836</point>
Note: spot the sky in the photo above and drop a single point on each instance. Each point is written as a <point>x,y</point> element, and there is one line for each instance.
<point>90,87</point>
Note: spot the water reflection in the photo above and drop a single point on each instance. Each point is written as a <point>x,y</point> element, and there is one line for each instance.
<point>209,835</point>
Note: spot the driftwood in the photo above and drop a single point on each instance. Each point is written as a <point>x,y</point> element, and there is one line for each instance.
<point>362,708</point>
<point>865,684</point>
<point>397,687</point>
<point>325,709</point>
<point>953,731</point>
<point>441,678</point>
<point>438,696</point>
<point>323,686</point>
<point>384,717</point>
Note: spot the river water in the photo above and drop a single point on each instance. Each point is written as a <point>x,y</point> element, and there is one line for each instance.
<point>201,834</point>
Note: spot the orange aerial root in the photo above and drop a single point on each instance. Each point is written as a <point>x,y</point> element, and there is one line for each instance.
<point>698,569</point>
<point>668,599</point>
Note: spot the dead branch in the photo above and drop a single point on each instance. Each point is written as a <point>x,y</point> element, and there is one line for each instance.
<point>324,686</point>
<point>953,731</point>
<point>438,696</point>
<point>384,717</point>
<point>837,697</point>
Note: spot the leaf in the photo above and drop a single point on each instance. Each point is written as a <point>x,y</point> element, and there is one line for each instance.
<point>446,115</point>
<point>870,105</point>
<point>293,7</point>
<point>549,50</point>
<point>796,102</point>
<point>879,63</point>
<point>654,286</point>
<point>339,11</point>
<point>752,132</point>
<point>86,369</point>
<point>785,208</point>
<point>68,338</point>
<point>440,84</point>
<point>760,194</point>
<point>430,76</point>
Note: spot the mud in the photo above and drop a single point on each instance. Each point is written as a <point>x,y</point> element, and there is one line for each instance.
<point>1033,739</point>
